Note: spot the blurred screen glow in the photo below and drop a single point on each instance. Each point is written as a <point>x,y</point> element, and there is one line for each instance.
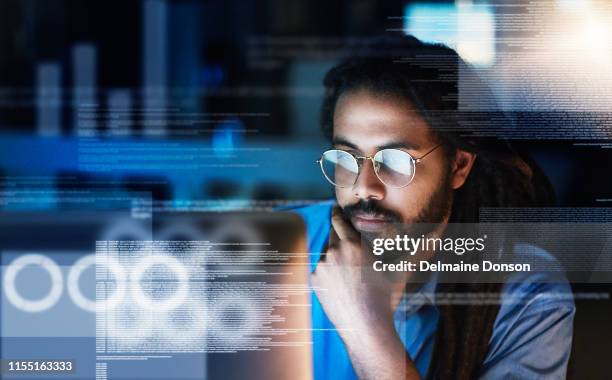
<point>468,28</point>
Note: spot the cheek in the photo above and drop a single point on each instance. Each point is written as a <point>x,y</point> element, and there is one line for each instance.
<point>344,196</point>
<point>410,201</point>
<point>406,202</point>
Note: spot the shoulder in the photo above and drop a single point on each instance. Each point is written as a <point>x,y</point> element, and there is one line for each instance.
<point>533,330</point>
<point>317,217</point>
<point>313,213</point>
<point>546,287</point>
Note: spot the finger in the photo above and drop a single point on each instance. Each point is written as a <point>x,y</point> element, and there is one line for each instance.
<point>343,229</point>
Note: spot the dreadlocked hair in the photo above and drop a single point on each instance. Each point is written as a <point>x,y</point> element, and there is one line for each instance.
<point>427,76</point>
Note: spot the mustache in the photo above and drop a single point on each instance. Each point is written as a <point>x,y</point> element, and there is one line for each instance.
<point>370,207</point>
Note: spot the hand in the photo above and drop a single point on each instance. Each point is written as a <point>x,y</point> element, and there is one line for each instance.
<point>351,296</point>
<point>360,306</point>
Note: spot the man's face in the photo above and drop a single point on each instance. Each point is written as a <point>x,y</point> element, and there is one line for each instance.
<point>365,123</point>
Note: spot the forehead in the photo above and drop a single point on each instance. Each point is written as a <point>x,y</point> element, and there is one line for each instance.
<point>368,120</point>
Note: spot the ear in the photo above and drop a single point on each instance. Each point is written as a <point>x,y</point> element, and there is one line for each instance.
<point>461,167</point>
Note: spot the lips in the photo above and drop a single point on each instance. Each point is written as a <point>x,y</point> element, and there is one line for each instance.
<point>369,217</point>
<point>368,222</point>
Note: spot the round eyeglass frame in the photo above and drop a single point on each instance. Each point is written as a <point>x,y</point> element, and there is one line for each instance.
<point>360,159</point>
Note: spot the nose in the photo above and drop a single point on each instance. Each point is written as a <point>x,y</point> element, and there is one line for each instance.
<point>368,186</point>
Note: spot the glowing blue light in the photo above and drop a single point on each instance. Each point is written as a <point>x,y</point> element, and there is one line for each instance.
<point>227,136</point>
<point>468,28</point>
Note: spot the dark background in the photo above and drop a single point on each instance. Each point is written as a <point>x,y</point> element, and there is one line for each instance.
<point>210,69</point>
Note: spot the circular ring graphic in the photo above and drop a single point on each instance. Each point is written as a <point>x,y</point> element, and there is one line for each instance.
<point>129,324</point>
<point>57,283</point>
<point>75,274</point>
<point>186,331</point>
<point>173,231</point>
<point>183,238</point>
<point>170,303</point>
<point>126,228</point>
<point>233,328</point>
<point>236,230</point>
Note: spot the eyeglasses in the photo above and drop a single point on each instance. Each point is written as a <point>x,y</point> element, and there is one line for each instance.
<point>393,167</point>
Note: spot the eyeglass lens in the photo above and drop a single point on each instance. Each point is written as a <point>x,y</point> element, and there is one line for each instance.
<point>392,166</point>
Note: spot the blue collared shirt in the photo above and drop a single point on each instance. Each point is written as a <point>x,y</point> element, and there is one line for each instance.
<point>531,339</point>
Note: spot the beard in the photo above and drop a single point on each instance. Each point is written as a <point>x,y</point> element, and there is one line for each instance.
<point>434,212</point>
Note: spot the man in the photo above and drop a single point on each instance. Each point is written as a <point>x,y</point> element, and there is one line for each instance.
<point>399,158</point>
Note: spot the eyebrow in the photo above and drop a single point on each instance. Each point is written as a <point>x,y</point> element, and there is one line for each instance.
<point>392,145</point>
